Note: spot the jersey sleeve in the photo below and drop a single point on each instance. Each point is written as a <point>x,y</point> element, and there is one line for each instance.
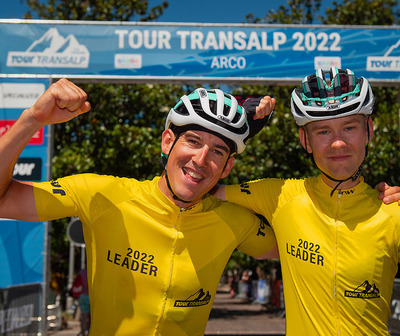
<point>53,200</point>
<point>253,235</point>
<point>260,196</point>
<point>258,241</point>
<point>83,195</point>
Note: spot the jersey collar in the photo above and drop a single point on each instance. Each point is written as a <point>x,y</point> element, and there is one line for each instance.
<point>166,204</point>
<point>360,187</point>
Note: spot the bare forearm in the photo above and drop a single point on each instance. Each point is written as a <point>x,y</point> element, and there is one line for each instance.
<point>11,145</point>
<point>61,102</point>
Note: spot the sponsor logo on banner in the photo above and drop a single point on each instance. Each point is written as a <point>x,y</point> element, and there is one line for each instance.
<point>387,62</point>
<point>28,169</point>
<point>128,61</point>
<point>326,63</point>
<point>15,95</point>
<point>37,139</point>
<point>51,51</point>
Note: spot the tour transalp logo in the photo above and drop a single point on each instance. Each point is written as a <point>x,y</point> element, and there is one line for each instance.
<point>51,51</point>
<point>364,291</point>
<point>390,61</point>
<point>200,298</point>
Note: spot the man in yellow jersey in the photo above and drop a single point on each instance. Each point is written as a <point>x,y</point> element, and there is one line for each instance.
<point>338,243</point>
<point>156,249</point>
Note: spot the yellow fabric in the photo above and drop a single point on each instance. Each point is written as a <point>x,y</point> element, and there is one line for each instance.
<point>153,269</point>
<point>338,254</point>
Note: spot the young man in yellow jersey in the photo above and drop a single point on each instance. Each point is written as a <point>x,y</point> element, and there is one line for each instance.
<point>156,249</point>
<point>338,243</point>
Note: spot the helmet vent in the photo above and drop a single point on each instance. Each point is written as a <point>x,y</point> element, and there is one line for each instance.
<point>366,101</point>
<point>212,111</point>
<point>182,110</point>
<point>196,105</point>
<point>213,106</point>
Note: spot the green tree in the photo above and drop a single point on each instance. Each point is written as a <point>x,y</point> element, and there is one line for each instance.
<point>357,12</point>
<point>295,12</point>
<point>362,12</point>
<point>95,10</point>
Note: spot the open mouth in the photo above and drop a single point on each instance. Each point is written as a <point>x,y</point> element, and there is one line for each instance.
<point>193,175</point>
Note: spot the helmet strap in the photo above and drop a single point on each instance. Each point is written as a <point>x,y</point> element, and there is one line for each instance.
<point>164,160</point>
<point>174,196</point>
<point>353,178</point>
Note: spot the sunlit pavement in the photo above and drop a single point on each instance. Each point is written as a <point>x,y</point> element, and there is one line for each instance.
<point>230,316</point>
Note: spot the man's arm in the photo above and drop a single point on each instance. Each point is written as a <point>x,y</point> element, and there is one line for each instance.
<point>387,193</point>
<point>259,112</point>
<point>61,102</point>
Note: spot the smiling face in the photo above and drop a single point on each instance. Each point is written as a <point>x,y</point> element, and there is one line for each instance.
<point>196,163</point>
<point>338,146</point>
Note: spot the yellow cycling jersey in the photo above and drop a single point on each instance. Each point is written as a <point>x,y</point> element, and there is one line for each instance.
<point>153,268</point>
<point>339,254</point>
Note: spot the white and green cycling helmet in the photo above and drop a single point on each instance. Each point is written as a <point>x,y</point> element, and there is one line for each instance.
<point>213,111</point>
<point>329,94</point>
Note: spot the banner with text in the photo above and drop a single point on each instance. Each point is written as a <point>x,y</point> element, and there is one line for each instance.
<point>187,51</point>
<point>22,244</point>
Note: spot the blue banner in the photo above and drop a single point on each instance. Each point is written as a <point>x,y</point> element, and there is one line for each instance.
<point>195,50</point>
<point>22,244</point>
<point>21,252</point>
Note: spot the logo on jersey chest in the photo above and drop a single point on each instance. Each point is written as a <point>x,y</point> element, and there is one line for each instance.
<point>200,298</point>
<point>364,291</point>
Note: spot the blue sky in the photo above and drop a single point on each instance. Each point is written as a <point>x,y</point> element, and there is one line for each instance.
<point>206,11</point>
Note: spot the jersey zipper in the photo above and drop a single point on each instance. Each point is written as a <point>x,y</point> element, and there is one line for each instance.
<point>171,267</point>
<point>335,265</point>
